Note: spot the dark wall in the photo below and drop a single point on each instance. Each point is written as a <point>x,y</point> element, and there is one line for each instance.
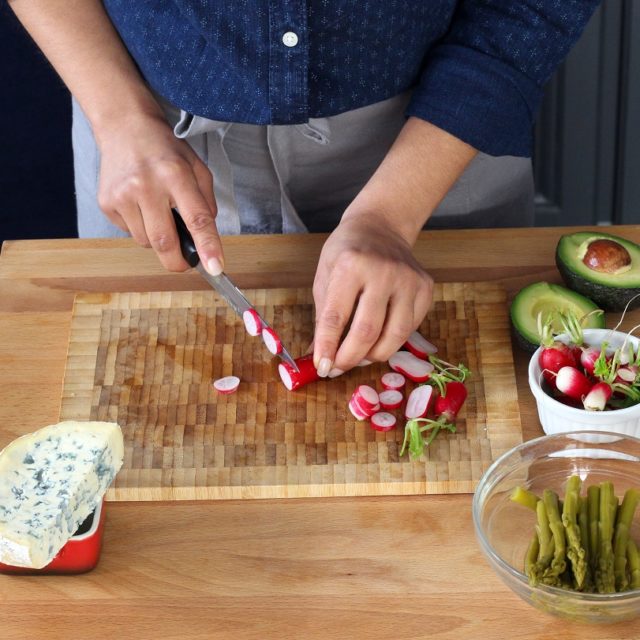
<point>36,171</point>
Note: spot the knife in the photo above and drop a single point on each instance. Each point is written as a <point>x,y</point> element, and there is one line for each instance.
<point>222,283</point>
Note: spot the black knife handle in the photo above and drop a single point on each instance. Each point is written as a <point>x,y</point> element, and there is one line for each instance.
<point>187,245</point>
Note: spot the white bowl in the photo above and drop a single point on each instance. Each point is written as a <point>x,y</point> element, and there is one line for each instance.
<point>556,417</point>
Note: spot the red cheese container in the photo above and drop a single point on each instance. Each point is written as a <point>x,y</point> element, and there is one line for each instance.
<point>79,555</point>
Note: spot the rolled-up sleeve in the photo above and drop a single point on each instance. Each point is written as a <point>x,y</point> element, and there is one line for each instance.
<point>484,81</point>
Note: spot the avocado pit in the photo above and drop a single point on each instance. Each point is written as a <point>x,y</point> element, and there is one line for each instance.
<point>606,256</point>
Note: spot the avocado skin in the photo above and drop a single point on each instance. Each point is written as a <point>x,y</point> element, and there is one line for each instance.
<point>607,298</point>
<point>522,342</point>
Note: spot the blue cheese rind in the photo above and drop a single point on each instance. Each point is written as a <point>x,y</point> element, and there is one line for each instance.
<point>50,481</point>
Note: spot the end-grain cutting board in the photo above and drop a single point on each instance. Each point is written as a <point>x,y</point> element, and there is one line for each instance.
<point>147,361</point>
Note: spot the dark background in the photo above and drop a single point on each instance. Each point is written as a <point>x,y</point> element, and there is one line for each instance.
<point>587,165</point>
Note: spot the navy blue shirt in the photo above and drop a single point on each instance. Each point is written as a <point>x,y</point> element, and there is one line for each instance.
<point>476,67</point>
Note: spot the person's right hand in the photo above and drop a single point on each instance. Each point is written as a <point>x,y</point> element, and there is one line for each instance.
<point>144,172</point>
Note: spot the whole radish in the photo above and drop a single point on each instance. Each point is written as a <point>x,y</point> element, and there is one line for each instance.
<point>597,398</point>
<point>572,382</point>
<point>588,359</point>
<point>552,358</point>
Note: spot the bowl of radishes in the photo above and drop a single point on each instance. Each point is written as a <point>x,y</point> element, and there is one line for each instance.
<point>589,381</point>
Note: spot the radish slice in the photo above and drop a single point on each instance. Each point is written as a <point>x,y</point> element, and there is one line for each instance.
<point>420,346</point>
<point>367,397</point>
<point>383,421</point>
<point>418,402</point>
<point>229,384</point>
<point>252,322</point>
<point>393,381</point>
<point>411,366</point>
<point>391,399</point>
<point>271,340</point>
<point>356,411</point>
<point>293,379</point>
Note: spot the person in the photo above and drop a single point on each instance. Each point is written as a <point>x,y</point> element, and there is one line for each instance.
<point>366,119</point>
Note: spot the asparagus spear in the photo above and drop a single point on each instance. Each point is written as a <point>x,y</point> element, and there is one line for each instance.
<point>621,537</point>
<point>558,562</point>
<point>605,580</point>
<point>575,550</point>
<point>583,523</point>
<point>524,497</point>
<point>633,559</point>
<point>593,499</point>
<point>545,545</point>
<point>533,550</point>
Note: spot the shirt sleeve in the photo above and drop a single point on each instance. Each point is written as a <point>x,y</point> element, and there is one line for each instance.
<point>483,81</point>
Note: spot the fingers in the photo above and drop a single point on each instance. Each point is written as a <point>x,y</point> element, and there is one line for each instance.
<point>332,316</point>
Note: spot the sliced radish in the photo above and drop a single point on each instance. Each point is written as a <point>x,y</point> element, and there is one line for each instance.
<point>393,381</point>
<point>228,384</point>
<point>356,411</point>
<point>420,346</point>
<point>391,399</point>
<point>597,398</point>
<point>627,375</point>
<point>271,340</point>
<point>418,402</point>
<point>252,322</point>
<point>411,366</point>
<point>367,396</point>
<point>293,379</point>
<point>383,421</point>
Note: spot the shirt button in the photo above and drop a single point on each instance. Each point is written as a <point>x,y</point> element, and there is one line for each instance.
<point>290,39</point>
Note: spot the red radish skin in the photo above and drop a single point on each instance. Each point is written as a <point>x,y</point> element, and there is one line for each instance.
<point>252,322</point>
<point>391,399</point>
<point>293,379</point>
<point>597,398</point>
<point>420,346</point>
<point>572,383</point>
<point>410,366</point>
<point>394,381</point>
<point>272,341</point>
<point>588,359</point>
<point>448,405</point>
<point>553,358</point>
<point>418,402</point>
<point>356,411</point>
<point>226,385</point>
<point>383,421</point>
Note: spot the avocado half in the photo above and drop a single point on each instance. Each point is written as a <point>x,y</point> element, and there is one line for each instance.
<point>603,267</point>
<point>546,298</point>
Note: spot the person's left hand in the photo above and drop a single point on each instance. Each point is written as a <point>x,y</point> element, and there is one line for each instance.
<point>366,274</point>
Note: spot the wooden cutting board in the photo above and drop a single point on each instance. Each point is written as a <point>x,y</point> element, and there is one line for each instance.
<point>147,361</point>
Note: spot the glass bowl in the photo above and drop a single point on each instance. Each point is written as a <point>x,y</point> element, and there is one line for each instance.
<point>504,527</point>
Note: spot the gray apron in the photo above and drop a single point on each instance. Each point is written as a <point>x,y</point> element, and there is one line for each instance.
<point>299,178</point>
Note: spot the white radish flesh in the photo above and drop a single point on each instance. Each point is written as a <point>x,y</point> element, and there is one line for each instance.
<point>356,411</point>
<point>418,402</point>
<point>597,398</point>
<point>627,375</point>
<point>391,399</point>
<point>293,379</point>
<point>411,366</point>
<point>271,340</point>
<point>393,380</point>
<point>420,346</point>
<point>252,322</point>
<point>228,384</point>
<point>383,421</point>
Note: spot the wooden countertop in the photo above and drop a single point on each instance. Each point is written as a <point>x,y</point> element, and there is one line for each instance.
<point>375,568</point>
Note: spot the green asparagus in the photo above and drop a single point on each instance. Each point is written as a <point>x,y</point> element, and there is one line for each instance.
<point>575,550</point>
<point>583,523</point>
<point>633,560</point>
<point>621,537</point>
<point>524,497</point>
<point>545,545</point>
<point>593,499</point>
<point>605,580</point>
<point>558,562</point>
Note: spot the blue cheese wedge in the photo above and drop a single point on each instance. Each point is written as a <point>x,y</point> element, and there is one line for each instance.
<point>50,481</point>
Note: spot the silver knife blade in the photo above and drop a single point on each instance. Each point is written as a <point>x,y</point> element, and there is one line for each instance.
<point>236,300</point>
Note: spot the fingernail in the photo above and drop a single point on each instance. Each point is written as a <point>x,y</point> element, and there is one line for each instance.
<point>364,363</point>
<point>324,366</point>
<point>334,373</point>
<point>214,266</point>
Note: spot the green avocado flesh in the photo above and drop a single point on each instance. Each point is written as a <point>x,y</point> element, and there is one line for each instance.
<point>545,298</point>
<point>613,276</point>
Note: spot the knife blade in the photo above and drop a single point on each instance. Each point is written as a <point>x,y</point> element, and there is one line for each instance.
<point>221,283</point>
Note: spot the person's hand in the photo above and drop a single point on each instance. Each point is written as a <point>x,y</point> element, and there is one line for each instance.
<point>366,274</point>
<point>145,170</point>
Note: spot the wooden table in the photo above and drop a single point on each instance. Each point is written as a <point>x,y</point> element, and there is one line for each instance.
<point>375,568</point>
